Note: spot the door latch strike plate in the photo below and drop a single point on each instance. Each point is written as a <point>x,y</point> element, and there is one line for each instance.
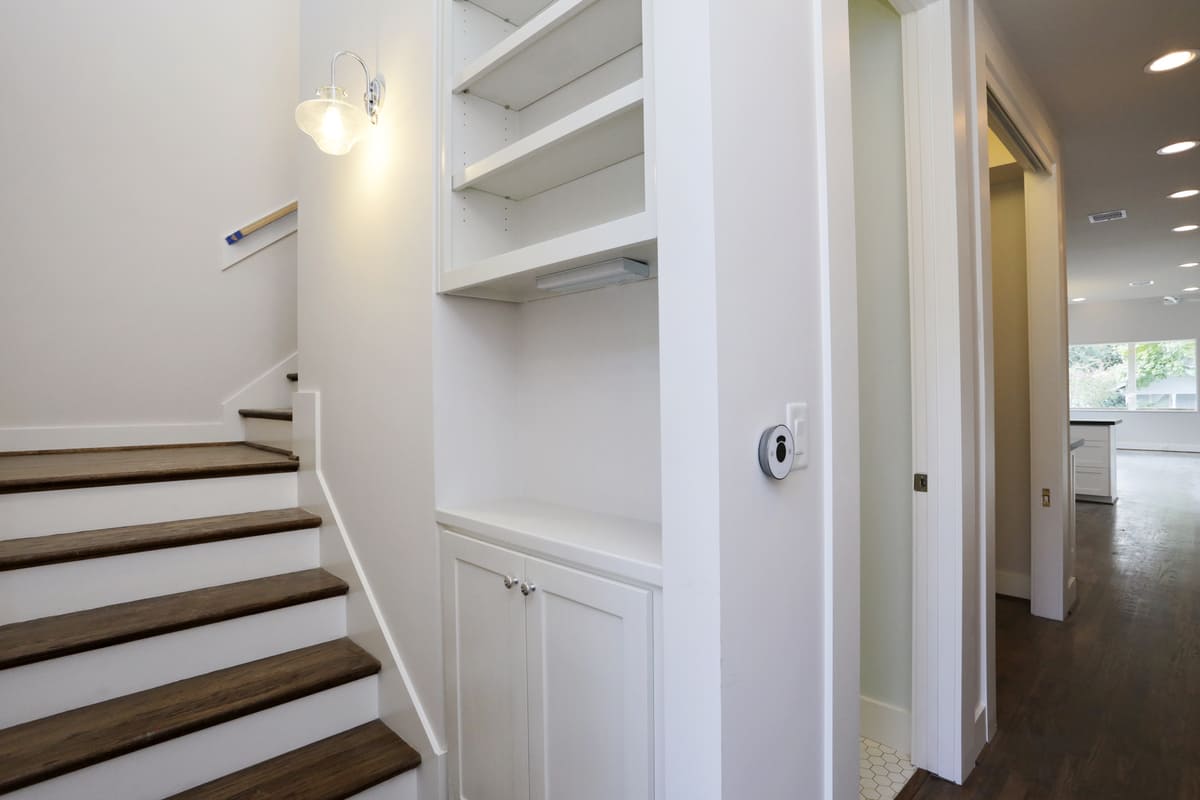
<point>920,482</point>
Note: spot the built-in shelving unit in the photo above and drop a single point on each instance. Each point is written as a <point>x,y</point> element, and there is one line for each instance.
<point>565,40</point>
<point>547,165</point>
<point>605,132</point>
<point>547,427</point>
<point>619,546</point>
<point>512,276</point>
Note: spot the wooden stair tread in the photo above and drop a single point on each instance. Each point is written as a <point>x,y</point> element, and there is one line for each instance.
<point>331,769</point>
<point>37,551</point>
<point>36,471</point>
<point>46,748</point>
<point>65,634</point>
<point>266,413</point>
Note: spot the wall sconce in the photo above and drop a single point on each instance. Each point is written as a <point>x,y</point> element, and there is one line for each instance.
<point>335,123</point>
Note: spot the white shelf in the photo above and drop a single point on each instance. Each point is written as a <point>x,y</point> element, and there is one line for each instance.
<point>515,11</point>
<point>606,543</point>
<point>512,276</point>
<point>567,39</point>
<point>605,132</point>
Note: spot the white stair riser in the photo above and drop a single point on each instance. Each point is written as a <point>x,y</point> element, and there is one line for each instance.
<point>48,687</point>
<point>401,787</point>
<point>62,588</point>
<point>66,510</point>
<point>164,769</point>
<point>272,432</point>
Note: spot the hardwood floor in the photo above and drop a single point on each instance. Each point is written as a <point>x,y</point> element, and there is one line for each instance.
<point>1107,704</point>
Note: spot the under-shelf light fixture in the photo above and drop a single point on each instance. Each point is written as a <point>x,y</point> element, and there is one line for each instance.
<point>1172,60</point>
<point>335,123</point>
<point>593,276</point>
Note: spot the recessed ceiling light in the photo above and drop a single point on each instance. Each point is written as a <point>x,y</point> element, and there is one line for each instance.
<point>1141,283</point>
<point>1078,299</point>
<point>1191,288</point>
<point>1185,228</point>
<point>1190,264</point>
<point>1183,194</point>
<point>1177,147</point>
<point>1172,60</point>
<point>1170,300</point>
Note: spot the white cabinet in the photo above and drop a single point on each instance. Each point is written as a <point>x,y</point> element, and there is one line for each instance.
<point>1095,461</point>
<point>550,678</point>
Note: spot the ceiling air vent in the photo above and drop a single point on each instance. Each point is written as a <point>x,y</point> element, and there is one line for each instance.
<point>1108,216</point>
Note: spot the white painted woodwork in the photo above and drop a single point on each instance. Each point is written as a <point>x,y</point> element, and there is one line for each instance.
<point>63,511</point>
<point>549,161</point>
<point>566,40</point>
<point>487,708</point>
<point>170,767</point>
<point>38,690</point>
<point>590,686</point>
<point>602,133</point>
<point>550,694</point>
<point>512,276</point>
<point>75,585</point>
<point>1095,463</point>
<point>604,543</point>
<point>515,12</point>
<point>275,433</point>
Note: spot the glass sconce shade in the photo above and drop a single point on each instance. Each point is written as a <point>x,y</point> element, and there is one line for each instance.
<point>333,122</point>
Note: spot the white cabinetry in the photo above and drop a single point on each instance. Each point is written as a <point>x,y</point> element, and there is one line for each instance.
<point>550,678</point>
<point>1096,461</point>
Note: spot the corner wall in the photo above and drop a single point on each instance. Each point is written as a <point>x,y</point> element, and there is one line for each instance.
<point>1141,321</point>
<point>365,326</point>
<point>136,136</point>
<point>885,371</point>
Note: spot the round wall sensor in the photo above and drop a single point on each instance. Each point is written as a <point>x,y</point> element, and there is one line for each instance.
<point>776,449</point>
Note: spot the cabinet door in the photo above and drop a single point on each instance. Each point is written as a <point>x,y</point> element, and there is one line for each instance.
<point>487,707</point>
<point>590,686</point>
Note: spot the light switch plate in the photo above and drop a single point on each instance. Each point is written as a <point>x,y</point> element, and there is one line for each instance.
<point>796,418</point>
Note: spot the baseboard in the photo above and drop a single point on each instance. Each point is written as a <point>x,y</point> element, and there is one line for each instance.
<point>267,390</point>
<point>1165,447</point>
<point>399,706</point>
<point>885,723</point>
<point>1012,584</point>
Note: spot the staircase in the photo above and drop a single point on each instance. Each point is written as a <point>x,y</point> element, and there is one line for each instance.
<point>199,656</point>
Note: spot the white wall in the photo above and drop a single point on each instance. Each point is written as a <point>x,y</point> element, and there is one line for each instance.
<point>1010,327</point>
<point>754,703</point>
<point>365,327</point>
<point>885,370</point>
<point>555,400</point>
<point>138,134</point>
<point>1141,321</point>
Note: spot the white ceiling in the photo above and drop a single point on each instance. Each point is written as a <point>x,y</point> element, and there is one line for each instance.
<point>1087,59</point>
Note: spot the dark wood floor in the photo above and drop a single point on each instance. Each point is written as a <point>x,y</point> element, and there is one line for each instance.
<point>1107,704</point>
<point>71,469</point>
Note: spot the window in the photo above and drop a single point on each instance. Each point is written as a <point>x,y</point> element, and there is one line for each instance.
<point>1136,376</point>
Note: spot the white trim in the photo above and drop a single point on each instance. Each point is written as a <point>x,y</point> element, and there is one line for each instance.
<point>269,389</point>
<point>839,403</point>
<point>886,723</point>
<point>1012,584</point>
<point>1165,447</point>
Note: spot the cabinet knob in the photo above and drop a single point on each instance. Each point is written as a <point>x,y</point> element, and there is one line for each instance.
<point>509,581</point>
<point>527,588</point>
